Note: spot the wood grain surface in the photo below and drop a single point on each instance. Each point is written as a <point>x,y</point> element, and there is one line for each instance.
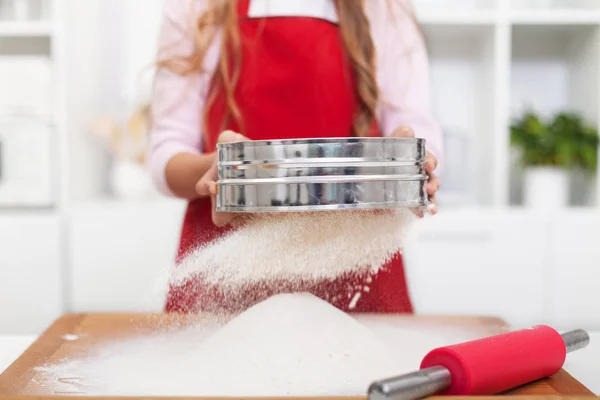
<point>94,330</point>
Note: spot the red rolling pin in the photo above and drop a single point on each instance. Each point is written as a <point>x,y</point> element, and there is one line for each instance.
<point>486,366</point>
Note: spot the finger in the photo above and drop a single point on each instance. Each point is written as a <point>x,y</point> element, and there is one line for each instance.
<point>433,207</point>
<point>431,162</point>
<point>206,186</point>
<point>220,219</point>
<point>433,185</point>
<point>213,188</point>
<point>203,186</point>
<point>231,136</point>
<point>418,212</point>
<point>403,132</point>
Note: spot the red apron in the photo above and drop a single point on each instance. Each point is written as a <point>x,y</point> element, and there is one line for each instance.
<point>295,82</point>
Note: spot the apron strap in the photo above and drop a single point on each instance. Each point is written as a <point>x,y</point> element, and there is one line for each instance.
<point>243,6</point>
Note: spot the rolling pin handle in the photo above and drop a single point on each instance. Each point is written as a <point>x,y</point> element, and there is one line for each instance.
<point>416,385</point>
<point>576,340</point>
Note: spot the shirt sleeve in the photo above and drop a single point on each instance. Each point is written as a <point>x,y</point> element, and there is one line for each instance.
<point>403,77</point>
<point>178,100</point>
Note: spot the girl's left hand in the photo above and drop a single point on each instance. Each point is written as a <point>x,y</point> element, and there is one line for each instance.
<point>431,163</point>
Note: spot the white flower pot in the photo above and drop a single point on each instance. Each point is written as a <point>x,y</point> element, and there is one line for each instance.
<point>131,181</point>
<point>546,188</point>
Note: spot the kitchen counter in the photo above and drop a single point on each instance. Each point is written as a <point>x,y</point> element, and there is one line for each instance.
<point>584,365</point>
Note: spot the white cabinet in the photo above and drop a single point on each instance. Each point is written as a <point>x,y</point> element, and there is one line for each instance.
<point>479,263</point>
<point>575,279</point>
<point>30,273</point>
<point>524,267</point>
<point>120,254</point>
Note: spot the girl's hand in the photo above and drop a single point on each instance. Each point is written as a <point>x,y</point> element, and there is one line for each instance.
<point>431,163</point>
<point>207,185</point>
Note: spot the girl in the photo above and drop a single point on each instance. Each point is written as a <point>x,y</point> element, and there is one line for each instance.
<point>282,69</point>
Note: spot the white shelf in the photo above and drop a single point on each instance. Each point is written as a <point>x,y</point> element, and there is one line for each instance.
<point>463,61</point>
<point>555,17</point>
<point>555,68</point>
<point>25,29</point>
<point>517,17</point>
<point>113,205</point>
<point>554,4</point>
<point>466,18</point>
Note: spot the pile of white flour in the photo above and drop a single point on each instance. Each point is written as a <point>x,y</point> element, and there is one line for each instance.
<point>289,345</point>
<point>307,246</point>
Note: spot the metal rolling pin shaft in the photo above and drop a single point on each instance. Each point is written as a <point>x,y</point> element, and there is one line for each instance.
<point>430,381</point>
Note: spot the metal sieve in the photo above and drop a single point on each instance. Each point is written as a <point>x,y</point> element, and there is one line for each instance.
<point>321,174</point>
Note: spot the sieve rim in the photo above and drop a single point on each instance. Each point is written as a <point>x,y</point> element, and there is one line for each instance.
<point>255,143</point>
<point>417,204</point>
<point>324,179</point>
<point>324,162</point>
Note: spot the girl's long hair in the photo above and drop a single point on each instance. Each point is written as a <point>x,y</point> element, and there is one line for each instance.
<point>221,16</point>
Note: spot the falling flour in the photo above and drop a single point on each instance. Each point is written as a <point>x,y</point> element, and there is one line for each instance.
<point>289,345</point>
<point>306,246</point>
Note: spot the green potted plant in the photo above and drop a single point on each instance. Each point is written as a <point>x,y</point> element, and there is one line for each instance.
<point>549,151</point>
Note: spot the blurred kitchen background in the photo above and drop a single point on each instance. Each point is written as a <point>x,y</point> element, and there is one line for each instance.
<point>516,87</point>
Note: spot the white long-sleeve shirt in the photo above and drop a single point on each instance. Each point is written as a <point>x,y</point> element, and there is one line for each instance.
<point>402,75</point>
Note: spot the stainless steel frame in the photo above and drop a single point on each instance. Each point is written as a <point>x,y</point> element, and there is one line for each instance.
<point>321,174</point>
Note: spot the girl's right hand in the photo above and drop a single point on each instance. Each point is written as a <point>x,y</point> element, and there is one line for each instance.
<point>207,185</point>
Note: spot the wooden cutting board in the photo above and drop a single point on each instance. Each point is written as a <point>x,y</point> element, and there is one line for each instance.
<point>93,330</point>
